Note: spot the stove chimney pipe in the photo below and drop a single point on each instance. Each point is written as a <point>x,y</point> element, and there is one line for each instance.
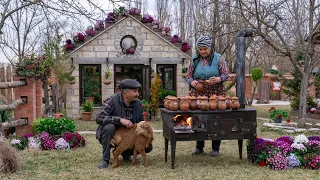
<point>240,64</point>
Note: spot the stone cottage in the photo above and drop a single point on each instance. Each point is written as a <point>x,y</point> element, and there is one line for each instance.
<point>104,51</point>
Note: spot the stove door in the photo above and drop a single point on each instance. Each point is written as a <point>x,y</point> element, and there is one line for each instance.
<point>225,126</point>
<point>199,123</point>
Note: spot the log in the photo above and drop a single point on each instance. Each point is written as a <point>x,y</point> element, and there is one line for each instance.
<point>13,105</point>
<point>18,122</point>
<point>13,84</point>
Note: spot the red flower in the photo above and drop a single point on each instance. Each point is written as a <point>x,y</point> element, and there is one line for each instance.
<point>145,113</point>
<point>288,120</point>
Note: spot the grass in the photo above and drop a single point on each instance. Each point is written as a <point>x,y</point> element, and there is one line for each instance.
<point>82,163</point>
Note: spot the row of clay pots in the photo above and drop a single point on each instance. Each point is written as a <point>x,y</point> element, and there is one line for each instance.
<point>201,102</point>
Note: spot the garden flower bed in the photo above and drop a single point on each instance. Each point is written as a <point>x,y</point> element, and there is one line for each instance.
<point>45,141</point>
<point>287,153</point>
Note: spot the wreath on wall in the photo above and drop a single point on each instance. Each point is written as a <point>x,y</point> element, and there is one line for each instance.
<point>128,44</point>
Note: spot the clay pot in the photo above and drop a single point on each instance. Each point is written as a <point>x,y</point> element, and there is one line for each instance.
<point>213,102</point>
<point>222,104</point>
<point>200,86</point>
<point>173,104</point>
<point>193,103</point>
<point>228,101</point>
<point>165,102</point>
<point>203,103</point>
<point>184,104</point>
<point>234,103</point>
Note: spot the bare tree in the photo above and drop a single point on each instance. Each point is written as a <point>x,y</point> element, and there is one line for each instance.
<point>290,28</point>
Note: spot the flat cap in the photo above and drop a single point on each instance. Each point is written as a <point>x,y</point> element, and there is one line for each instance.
<point>129,84</point>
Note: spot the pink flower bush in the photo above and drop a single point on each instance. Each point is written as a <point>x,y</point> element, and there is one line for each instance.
<point>185,47</point>
<point>69,45</point>
<point>75,140</point>
<point>147,18</point>
<point>79,37</point>
<point>90,31</point>
<point>134,11</point>
<point>99,26</point>
<point>277,162</point>
<point>46,141</point>
<point>176,39</point>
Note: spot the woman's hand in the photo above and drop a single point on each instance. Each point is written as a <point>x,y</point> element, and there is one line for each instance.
<point>213,80</point>
<point>194,83</point>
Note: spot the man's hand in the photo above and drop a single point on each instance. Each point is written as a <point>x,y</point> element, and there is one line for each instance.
<point>126,123</point>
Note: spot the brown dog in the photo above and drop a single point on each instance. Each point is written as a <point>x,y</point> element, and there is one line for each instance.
<point>137,137</point>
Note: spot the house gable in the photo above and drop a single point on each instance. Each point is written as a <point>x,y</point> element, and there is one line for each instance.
<point>149,43</point>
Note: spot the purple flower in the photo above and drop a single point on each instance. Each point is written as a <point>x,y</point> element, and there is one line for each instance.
<point>314,138</point>
<point>284,147</point>
<point>69,41</point>
<point>293,161</point>
<point>68,136</point>
<point>286,139</point>
<point>27,135</point>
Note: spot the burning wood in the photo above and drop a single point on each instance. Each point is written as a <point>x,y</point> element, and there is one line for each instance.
<point>182,121</point>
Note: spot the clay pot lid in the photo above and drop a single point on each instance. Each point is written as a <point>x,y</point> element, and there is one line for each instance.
<point>183,98</point>
<point>227,97</point>
<point>202,97</point>
<point>213,97</point>
<point>192,97</point>
<point>221,98</point>
<point>234,98</point>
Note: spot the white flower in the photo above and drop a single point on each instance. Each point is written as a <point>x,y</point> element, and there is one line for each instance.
<point>33,143</point>
<point>301,139</point>
<point>62,144</point>
<point>15,141</point>
<point>313,109</point>
<point>299,146</point>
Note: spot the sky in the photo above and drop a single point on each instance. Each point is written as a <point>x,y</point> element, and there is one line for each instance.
<point>104,4</point>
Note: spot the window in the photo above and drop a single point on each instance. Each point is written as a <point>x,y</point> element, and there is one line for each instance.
<point>167,74</point>
<point>90,84</point>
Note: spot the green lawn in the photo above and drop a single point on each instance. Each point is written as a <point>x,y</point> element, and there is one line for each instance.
<point>81,164</point>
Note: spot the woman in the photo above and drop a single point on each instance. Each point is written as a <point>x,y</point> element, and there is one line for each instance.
<point>209,66</point>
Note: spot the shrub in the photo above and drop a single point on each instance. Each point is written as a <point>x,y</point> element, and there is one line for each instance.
<point>54,126</point>
<point>163,93</point>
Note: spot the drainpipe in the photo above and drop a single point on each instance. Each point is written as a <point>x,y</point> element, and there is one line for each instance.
<point>240,65</point>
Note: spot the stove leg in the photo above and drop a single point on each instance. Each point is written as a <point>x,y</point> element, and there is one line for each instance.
<point>166,142</point>
<point>240,143</point>
<point>173,153</point>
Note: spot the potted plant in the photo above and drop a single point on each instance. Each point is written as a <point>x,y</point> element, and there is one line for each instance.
<point>72,80</point>
<point>276,115</point>
<point>274,74</point>
<point>107,75</point>
<point>86,110</point>
<point>184,72</point>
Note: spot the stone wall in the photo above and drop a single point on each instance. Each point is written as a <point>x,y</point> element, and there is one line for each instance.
<point>107,45</point>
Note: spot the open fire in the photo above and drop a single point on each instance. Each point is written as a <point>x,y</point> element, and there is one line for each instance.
<point>182,122</point>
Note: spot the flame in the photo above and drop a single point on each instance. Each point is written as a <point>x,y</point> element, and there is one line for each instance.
<point>175,118</point>
<point>189,121</point>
